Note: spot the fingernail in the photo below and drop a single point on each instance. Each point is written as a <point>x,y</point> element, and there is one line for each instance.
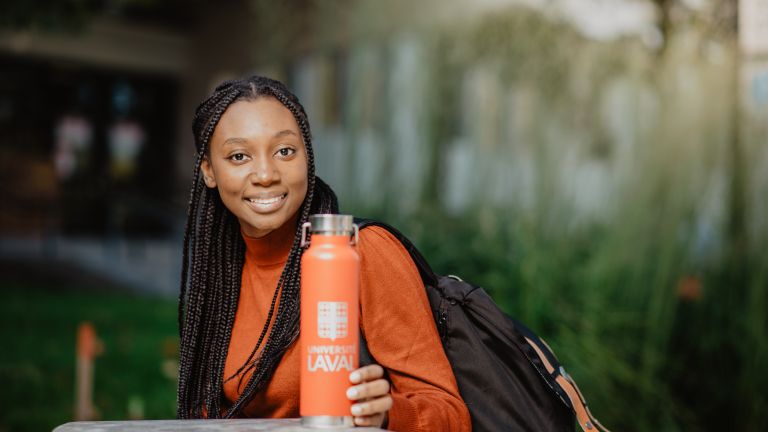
<point>354,377</point>
<point>357,410</point>
<point>352,393</point>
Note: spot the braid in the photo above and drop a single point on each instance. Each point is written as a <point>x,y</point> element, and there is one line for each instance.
<point>212,264</point>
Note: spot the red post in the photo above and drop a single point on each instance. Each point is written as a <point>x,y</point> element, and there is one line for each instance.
<point>88,347</point>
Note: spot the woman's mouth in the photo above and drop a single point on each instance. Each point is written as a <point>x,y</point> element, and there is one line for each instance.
<point>266,204</point>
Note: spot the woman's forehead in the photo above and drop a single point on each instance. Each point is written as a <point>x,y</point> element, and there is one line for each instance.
<point>258,118</point>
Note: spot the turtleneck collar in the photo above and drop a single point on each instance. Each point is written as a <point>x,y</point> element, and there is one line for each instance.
<point>274,247</point>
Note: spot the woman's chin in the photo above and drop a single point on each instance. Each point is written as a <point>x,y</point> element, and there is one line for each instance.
<point>263,225</point>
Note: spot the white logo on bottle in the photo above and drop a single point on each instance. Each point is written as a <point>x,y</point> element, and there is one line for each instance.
<point>332,318</point>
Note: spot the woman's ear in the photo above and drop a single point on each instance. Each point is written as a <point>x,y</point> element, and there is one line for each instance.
<point>208,177</point>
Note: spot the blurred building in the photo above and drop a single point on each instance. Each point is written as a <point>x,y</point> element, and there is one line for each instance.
<point>104,104</point>
<point>96,101</point>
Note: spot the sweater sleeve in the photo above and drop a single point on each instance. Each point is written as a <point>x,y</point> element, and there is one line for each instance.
<point>401,334</point>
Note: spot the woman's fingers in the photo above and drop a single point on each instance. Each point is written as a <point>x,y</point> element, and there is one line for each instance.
<point>367,390</point>
<point>372,407</point>
<point>366,373</point>
<point>371,394</point>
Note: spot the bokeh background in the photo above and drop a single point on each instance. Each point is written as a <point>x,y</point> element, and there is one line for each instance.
<point>599,166</point>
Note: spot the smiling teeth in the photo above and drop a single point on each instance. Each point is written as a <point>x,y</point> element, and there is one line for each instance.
<point>265,202</point>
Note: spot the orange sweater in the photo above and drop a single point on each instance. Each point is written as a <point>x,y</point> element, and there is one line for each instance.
<point>395,318</point>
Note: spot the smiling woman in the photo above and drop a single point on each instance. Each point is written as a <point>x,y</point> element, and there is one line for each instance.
<point>253,187</point>
<point>258,162</point>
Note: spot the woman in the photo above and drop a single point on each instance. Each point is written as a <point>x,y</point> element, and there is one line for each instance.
<point>254,184</point>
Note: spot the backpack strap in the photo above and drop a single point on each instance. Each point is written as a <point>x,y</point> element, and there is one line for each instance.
<point>587,422</point>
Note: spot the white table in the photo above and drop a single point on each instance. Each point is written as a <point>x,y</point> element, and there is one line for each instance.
<point>233,425</point>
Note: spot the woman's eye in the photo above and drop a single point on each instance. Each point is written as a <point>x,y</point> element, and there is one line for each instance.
<point>238,157</point>
<point>286,151</point>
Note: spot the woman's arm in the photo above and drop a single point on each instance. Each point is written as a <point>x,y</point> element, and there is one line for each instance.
<point>401,335</point>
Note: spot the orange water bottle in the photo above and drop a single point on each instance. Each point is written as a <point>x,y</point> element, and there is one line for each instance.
<point>330,284</point>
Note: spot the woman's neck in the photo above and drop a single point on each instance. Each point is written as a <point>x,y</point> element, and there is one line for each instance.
<point>272,248</point>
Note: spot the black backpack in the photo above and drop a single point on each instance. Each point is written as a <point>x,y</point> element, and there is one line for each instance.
<point>507,376</point>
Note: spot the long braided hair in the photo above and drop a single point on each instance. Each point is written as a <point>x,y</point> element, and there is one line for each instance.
<point>213,257</point>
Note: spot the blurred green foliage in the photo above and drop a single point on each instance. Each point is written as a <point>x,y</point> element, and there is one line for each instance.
<point>653,344</point>
<point>38,322</point>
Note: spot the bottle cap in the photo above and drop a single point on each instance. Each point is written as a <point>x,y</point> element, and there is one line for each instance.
<point>331,224</point>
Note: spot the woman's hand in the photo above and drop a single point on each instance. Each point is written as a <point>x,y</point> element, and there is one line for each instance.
<point>372,395</point>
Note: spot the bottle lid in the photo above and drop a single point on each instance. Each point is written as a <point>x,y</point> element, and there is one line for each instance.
<point>331,224</point>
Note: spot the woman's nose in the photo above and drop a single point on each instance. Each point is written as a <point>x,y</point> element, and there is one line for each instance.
<point>264,172</point>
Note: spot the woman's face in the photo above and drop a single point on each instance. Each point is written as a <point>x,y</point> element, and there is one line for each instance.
<point>258,162</point>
